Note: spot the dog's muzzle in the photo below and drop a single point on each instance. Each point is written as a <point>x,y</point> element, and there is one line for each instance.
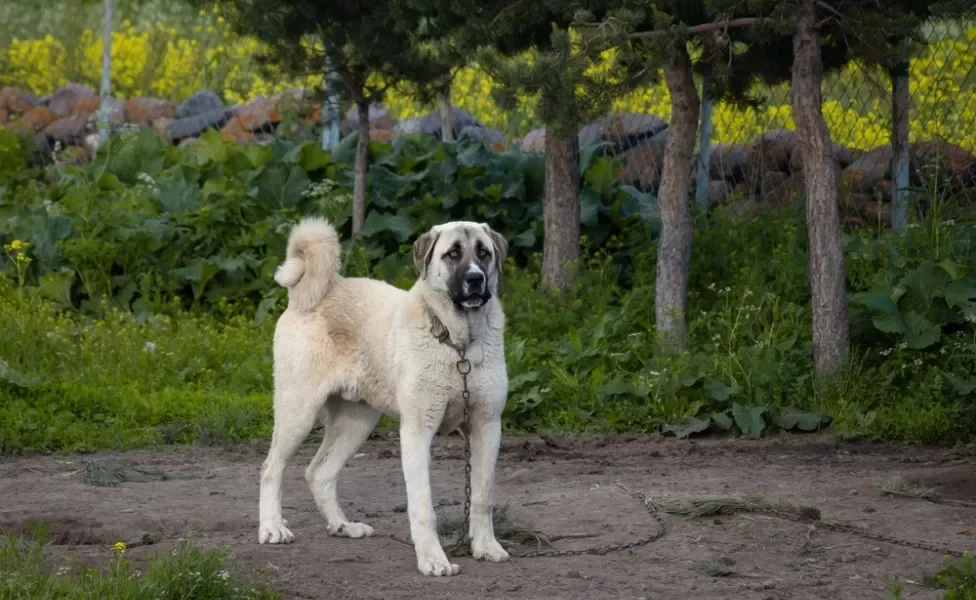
<point>474,290</point>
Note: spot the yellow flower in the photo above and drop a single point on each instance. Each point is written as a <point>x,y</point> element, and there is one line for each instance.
<point>119,548</point>
<point>16,245</point>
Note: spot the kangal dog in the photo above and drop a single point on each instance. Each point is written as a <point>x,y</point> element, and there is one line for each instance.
<point>347,350</point>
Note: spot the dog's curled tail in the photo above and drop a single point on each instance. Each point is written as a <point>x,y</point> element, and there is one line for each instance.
<point>312,263</point>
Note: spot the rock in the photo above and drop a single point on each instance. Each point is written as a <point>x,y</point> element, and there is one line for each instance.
<point>74,155</point>
<point>147,110</point>
<point>928,157</point>
<point>191,127</point>
<point>774,149</point>
<point>642,166</point>
<point>842,154</point>
<point>17,101</point>
<point>623,130</point>
<point>69,131</point>
<point>862,174</point>
<point>200,103</point>
<point>728,161</point>
<point>884,189</point>
<point>878,213</point>
<point>261,115</point>
<point>232,132</point>
<point>491,137</point>
<point>534,141</point>
<point>718,192</point>
<point>88,107</point>
<point>34,120</point>
<point>380,135</point>
<point>63,100</point>
<point>188,142</point>
<point>777,189</point>
<point>379,118</point>
<point>430,124</point>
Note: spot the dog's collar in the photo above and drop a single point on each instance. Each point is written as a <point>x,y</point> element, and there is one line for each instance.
<point>442,335</point>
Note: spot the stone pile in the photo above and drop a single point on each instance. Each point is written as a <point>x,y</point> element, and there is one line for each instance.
<point>766,171</point>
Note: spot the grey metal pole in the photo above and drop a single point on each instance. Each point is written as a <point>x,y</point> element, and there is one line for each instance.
<point>331,109</point>
<point>901,100</point>
<point>704,142</point>
<point>106,85</point>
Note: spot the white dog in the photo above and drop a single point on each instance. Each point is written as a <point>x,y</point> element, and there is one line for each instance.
<point>349,349</point>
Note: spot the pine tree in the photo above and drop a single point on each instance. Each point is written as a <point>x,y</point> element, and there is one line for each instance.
<point>795,40</point>
<point>530,53</point>
<point>368,46</point>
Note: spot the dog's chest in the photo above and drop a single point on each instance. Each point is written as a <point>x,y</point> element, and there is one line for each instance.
<point>479,384</point>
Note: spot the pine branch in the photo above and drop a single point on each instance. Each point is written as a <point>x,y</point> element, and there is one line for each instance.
<point>704,27</point>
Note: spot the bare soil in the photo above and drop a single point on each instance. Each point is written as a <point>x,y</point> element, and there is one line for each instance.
<point>561,486</point>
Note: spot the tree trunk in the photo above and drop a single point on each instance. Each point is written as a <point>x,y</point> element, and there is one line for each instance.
<point>827,279</point>
<point>561,208</point>
<point>447,115</point>
<point>361,166</point>
<point>674,248</point>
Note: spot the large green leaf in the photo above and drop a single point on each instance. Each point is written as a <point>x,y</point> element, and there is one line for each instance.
<point>602,177</point>
<point>749,419</point>
<point>719,391</point>
<point>687,426</point>
<point>400,224</point>
<point>790,417</point>
<point>960,294</point>
<point>920,333</point>
<point>926,283</point>
<point>876,302</point>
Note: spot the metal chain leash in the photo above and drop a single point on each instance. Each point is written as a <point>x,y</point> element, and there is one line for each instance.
<point>842,527</point>
<point>463,366</point>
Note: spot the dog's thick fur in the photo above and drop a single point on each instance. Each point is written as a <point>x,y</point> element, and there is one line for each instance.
<point>347,350</point>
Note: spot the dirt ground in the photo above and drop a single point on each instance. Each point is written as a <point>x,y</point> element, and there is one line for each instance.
<point>561,486</point>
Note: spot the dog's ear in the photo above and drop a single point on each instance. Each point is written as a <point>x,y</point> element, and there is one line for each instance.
<point>501,247</point>
<point>423,250</point>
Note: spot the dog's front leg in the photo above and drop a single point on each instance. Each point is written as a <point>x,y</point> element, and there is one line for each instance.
<point>416,434</point>
<point>486,433</point>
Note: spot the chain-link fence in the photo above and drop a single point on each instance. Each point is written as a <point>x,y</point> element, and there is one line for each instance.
<point>183,71</point>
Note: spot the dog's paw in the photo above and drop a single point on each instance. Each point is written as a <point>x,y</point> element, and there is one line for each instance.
<point>351,530</point>
<point>275,534</point>
<point>491,551</point>
<point>438,566</point>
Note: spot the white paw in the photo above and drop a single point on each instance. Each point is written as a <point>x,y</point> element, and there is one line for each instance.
<point>351,530</point>
<point>438,566</point>
<point>275,534</point>
<point>490,551</point>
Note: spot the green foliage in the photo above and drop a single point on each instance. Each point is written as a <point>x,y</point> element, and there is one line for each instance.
<point>13,155</point>
<point>958,577</point>
<point>186,572</point>
<point>146,221</point>
<point>146,307</point>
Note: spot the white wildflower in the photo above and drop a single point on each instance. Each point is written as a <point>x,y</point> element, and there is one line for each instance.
<point>149,347</point>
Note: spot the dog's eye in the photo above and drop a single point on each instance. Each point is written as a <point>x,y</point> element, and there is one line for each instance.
<point>454,253</point>
<point>482,253</point>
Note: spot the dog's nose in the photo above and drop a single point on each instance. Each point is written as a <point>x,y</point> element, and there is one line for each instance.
<point>475,279</point>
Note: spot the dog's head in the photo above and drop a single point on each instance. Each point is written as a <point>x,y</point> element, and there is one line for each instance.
<point>463,260</point>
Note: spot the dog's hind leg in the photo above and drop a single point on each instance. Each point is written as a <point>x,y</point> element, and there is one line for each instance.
<point>347,425</point>
<point>294,415</point>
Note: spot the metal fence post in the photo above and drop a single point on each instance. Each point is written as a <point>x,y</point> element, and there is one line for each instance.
<point>901,100</point>
<point>704,142</point>
<point>106,84</point>
<point>331,110</point>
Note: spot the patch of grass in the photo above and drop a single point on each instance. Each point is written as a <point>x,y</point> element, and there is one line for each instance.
<point>958,577</point>
<point>896,485</point>
<point>508,532</point>
<point>187,572</point>
<point>749,503</point>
